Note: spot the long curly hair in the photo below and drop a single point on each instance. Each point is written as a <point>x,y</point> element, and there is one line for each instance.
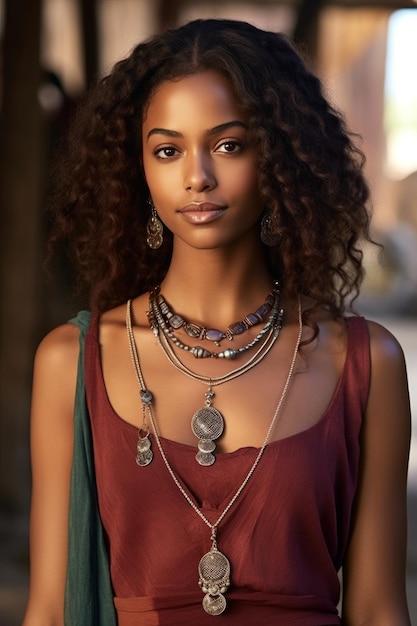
<point>310,171</point>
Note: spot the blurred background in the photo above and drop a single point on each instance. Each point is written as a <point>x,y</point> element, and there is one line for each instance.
<point>51,51</point>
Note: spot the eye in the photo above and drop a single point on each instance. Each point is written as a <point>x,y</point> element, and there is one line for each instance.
<point>229,146</point>
<point>165,152</point>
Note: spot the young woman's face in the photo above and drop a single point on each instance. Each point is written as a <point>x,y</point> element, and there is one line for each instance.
<point>199,167</point>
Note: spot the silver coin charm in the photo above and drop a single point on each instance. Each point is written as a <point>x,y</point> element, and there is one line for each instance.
<point>214,605</point>
<point>145,454</point>
<point>214,571</point>
<point>206,445</point>
<point>207,424</point>
<point>144,447</point>
<point>205,458</point>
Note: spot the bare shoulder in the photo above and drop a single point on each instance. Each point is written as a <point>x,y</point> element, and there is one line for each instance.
<point>388,401</point>
<point>53,392</point>
<point>54,383</point>
<point>56,363</point>
<point>386,351</point>
<point>59,348</point>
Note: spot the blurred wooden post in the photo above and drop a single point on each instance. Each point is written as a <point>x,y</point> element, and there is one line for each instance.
<point>306,28</point>
<point>20,192</point>
<point>89,28</point>
<point>166,14</point>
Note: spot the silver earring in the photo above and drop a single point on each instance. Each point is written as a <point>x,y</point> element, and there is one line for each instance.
<point>268,235</point>
<point>154,229</point>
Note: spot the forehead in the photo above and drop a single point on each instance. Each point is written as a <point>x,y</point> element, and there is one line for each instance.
<point>205,99</point>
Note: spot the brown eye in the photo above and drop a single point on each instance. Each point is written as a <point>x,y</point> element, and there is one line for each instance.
<point>165,152</point>
<point>230,147</point>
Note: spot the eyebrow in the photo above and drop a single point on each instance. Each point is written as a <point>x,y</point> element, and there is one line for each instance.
<point>212,131</point>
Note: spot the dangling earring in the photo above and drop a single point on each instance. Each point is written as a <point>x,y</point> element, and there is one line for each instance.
<point>268,235</point>
<point>154,229</point>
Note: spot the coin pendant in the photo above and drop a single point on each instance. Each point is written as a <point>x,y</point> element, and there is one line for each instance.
<point>206,445</point>
<point>205,458</point>
<point>144,458</point>
<point>214,571</point>
<point>214,605</point>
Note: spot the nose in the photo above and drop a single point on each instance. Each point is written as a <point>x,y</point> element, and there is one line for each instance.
<point>199,173</point>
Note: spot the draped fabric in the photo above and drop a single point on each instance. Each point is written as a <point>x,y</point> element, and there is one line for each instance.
<point>88,593</point>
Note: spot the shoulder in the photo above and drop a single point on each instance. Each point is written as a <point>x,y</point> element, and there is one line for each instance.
<point>386,351</point>
<point>388,409</point>
<point>61,341</point>
<point>54,384</point>
<point>58,350</point>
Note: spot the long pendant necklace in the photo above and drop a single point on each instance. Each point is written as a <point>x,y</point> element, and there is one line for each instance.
<point>214,568</point>
<point>207,423</point>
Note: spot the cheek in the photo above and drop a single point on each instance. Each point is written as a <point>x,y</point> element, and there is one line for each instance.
<point>161,180</point>
<point>162,185</point>
<point>246,184</point>
<point>150,171</point>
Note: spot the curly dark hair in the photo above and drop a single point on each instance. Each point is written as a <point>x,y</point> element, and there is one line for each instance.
<point>311,172</point>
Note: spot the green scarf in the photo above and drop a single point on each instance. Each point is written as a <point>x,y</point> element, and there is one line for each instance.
<point>88,593</point>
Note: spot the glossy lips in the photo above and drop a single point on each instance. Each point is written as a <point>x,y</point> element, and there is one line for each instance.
<point>201,212</point>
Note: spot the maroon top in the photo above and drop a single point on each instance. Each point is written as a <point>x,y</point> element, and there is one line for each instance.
<point>285,536</point>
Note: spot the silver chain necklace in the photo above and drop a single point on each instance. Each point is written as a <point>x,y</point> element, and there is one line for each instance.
<point>214,567</point>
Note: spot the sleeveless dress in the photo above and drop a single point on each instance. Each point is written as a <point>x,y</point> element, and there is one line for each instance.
<point>285,536</point>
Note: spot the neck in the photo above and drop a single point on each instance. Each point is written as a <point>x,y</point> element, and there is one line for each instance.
<point>216,287</point>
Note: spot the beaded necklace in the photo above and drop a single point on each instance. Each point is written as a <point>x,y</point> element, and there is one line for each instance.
<point>164,322</point>
<point>174,321</point>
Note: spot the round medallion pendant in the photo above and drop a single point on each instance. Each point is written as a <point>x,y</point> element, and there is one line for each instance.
<point>207,423</point>
<point>214,605</point>
<point>214,571</point>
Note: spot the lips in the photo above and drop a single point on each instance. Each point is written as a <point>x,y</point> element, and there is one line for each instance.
<point>202,212</point>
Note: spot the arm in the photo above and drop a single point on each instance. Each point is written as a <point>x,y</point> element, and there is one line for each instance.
<point>374,570</point>
<point>51,455</point>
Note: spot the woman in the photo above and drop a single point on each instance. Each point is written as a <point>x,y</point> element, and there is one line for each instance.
<point>236,438</point>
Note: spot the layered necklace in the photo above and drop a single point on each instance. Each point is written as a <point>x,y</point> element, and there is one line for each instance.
<point>170,321</point>
<point>214,567</point>
<point>207,423</point>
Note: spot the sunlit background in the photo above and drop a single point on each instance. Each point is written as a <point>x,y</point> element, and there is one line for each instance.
<point>365,53</point>
<point>400,119</point>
